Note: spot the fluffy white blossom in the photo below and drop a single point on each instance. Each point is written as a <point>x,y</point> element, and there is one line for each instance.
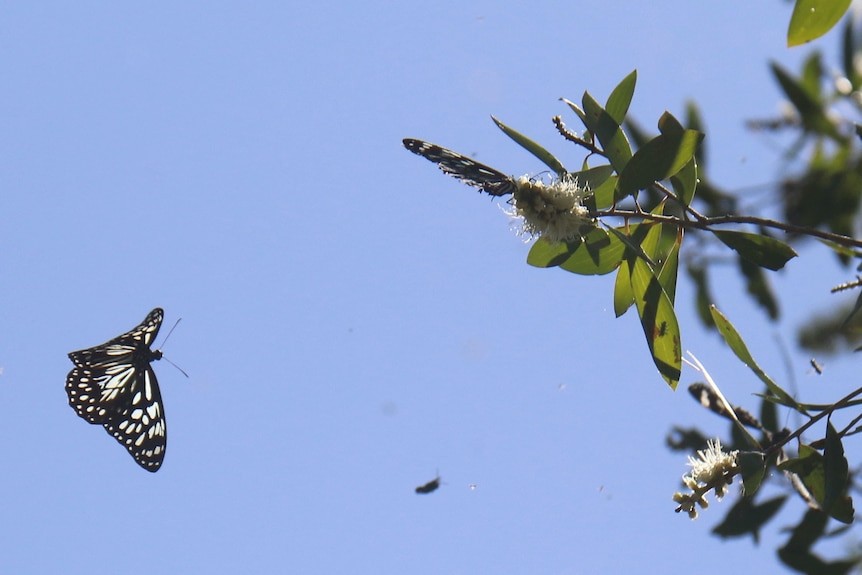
<point>554,210</point>
<point>713,469</point>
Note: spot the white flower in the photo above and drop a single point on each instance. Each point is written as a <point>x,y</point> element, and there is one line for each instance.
<point>713,464</point>
<point>712,470</point>
<point>554,211</point>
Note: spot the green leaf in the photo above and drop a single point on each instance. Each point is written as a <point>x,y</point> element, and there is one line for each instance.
<point>621,97</point>
<point>670,270</point>
<point>660,158</point>
<point>534,148</point>
<point>753,468</point>
<point>825,477</point>
<point>658,321</point>
<point>737,345</point>
<point>797,555</point>
<point>810,109</point>
<point>837,478</point>
<point>813,18</point>
<point>684,182</point>
<point>599,254</point>
<point>623,296</point>
<point>604,194</point>
<point>593,178</point>
<point>545,254</point>
<point>634,244</point>
<point>762,250</point>
<point>757,285</point>
<point>609,133</point>
<point>747,517</point>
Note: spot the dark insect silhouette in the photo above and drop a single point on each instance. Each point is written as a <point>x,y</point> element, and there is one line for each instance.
<point>114,385</point>
<point>430,486</point>
<point>469,171</point>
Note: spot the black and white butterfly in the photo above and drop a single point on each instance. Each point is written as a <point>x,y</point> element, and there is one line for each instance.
<point>114,385</point>
<point>459,166</point>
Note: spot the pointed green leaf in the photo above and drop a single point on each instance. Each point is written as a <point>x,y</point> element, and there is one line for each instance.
<point>604,194</point>
<point>813,18</point>
<point>670,270</point>
<point>737,345</point>
<point>810,110</point>
<point>758,286</point>
<point>748,517</point>
<point>621,97</point>
<point>684,182</point>
<point>545,254</point>
<point>623,296</point>
<point>837,478</point>
<point>609,133</point>
<point>658,321</point>
<point>753,468</point>
<point>762,250</point>
<point>599,254</point>
<point>534,148</point>
<point>660,158</point>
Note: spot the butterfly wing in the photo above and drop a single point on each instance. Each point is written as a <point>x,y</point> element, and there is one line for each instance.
<point>467,170</point>
<point>114,385</point>
<point>140,425</point>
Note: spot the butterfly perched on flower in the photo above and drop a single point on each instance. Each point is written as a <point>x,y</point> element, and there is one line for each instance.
<point>459,166</point>
<point>554,210</point>
<point>114,385</point>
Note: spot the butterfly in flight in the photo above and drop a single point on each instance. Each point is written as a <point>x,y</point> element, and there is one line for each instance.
<point>471,172</point>
<point>114,385</point>
<point>430,486</point>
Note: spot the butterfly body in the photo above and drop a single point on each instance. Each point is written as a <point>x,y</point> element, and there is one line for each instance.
<point>429,487</point>
<point>114,385</point>
<point>459,166</point>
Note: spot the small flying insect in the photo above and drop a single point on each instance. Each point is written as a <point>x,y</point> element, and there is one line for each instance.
<point>430,486</point>
<point>816,366</point>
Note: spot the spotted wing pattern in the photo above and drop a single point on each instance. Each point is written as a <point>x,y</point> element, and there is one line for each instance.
<point>114,385</point>
<point>465,169</point>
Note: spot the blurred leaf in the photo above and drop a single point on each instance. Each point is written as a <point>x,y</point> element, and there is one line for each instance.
<point>747,517</point>
<point>837,478</point>
<point>753,469</point>
<point>758,286</point>
<point>759,249</point>
<point>734,340</point>
<point>811,111</point>
<point>689,440</point>
<point>541,153</point>
<point>797,555</point>
<point>703,299</point>
<point>832,330</point>
<point>813,18</point>
<point>848,54</point>
<point>825,480</point>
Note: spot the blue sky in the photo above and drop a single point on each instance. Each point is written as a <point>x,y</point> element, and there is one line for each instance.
<point>353,320</point>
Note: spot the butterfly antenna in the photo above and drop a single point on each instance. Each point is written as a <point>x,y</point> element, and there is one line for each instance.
<point>170,332</point>
<point>182,371</point>
<point>176,366</point>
